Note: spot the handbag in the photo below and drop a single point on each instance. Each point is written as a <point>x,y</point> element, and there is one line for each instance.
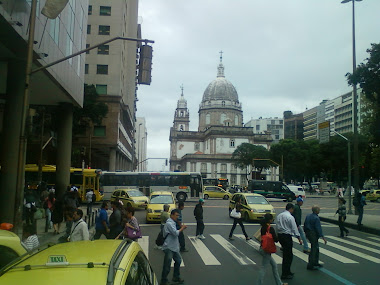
<point>267,242</point>
<point>234,214</point>
<point>133,234</point>
<point>257,235</point>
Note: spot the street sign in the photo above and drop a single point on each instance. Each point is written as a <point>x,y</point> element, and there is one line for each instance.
<point>324,132</point>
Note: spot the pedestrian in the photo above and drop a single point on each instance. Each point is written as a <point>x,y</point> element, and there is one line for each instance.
<point>360,207</point>
<point>68,214</point>
<point>342,216</point>
<point>267,257</point>
<point>297,214</point>
<point>181,237</point>
<point>57,215</point>
<point>30,237</point>
<point>115,220</point>
<point>79,229</point>
<point>198,213</point>
<point>313,232</point>
<point>164,216</point>
<point>132,224</point>
<point>101,222</point>
<point>171,249</point>
<point>89,200</point>
<point>71,200</point>
<point>238,208</point>
<point>30,207</point>
<point>286,228</point>
<point>48,206</point>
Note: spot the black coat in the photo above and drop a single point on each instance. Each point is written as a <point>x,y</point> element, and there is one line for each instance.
<point>198,212</point>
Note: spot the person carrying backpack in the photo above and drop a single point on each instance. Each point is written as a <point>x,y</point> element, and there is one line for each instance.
<point>360,203</point>
<point>342,216</point>
<point>266,252</point>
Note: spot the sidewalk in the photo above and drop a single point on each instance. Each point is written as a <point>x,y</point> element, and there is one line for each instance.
<point>371,223</point>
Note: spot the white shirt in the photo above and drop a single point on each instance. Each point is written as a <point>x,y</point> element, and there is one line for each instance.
<point>89,196</point>
<point>286,224</point>
<point>31,242</point>
<point>79,231</point>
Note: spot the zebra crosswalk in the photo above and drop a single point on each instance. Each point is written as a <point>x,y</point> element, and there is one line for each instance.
<point>350,250</point>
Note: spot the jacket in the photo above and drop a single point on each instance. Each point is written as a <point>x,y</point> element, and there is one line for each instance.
<point>297,214</point>
<point>198,212</point>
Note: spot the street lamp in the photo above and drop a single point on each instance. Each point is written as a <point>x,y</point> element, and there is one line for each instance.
<point>348,171</point>
<point>354,103</point>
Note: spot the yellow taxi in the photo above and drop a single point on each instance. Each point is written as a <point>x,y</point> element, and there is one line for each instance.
<point>10,247</point>
<point>255,206</point>
<point>157,200</point>
<point>131,198</point>
<point>373,196</point>
<point>216,192</point>
<point>83,262</point>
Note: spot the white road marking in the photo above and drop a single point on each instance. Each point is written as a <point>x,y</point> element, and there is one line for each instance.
<point>237,254</point>
<point>353,252</point>
<point>206,255</point>
<point>144,243</point>
<point>375,238</point>
<point>365,241</point>
<point>331,254</point>
<point>256,246</point>
<point>355,244</point>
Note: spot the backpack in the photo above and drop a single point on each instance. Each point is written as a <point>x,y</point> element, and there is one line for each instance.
<point>160,239</point>
<point>93,198</point>
<point>355,202</point>
<point>267,242</point>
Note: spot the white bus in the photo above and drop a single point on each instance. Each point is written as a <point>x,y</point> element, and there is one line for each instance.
<point>181,184</point>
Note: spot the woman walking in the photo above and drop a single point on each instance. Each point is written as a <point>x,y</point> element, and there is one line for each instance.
<point>237,209</point>
<point>48,205</point>
<point>132,228</point>
<point>267,257</point>
<point>342,216</point>
<point>115,220</point>
<point>57,215</point>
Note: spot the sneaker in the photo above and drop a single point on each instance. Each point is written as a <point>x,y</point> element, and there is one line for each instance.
<point>231,238</point>
<point>201,237</point>
<point>178,280</point>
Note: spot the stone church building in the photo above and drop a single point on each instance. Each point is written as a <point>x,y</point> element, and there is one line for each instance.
<point>220,132</point>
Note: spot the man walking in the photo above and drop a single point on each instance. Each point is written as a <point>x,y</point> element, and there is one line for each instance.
<point>198,213</point>
<point>79,229</point>
<point>89,198</point>
<point>101,222</point>
<point>171,249</point>
<point>297,214</point>
<point>286,228</point>
<point>360,207</point>
<point>313,232</point>
<point>181,237</point>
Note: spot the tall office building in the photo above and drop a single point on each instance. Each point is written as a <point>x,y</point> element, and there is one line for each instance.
<point>112,69</point>
<point>274,126</point>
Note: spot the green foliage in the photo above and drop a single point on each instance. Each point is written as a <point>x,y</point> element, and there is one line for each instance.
<point>248,154</point>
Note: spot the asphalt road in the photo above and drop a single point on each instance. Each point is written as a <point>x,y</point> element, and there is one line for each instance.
<point>216,260</point>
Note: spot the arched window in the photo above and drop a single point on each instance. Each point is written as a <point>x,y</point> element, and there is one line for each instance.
<point>232,143</point>
<point>236,120</point>
<point>208,119</point>
<point>181,114</point>
<point>181,128</point>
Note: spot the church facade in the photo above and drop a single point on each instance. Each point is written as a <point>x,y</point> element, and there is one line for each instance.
<point>220,131</point>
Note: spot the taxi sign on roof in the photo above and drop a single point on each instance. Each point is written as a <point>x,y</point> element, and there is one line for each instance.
<point>56,260</point>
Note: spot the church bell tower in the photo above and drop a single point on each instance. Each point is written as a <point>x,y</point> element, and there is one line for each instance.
<point>181,116</point>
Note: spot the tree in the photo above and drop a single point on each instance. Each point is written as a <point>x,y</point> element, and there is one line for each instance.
<point>246,153</point>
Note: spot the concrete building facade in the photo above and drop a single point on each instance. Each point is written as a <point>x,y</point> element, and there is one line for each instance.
<point>293,126</point>
<point>274,126</point>
<point>141,144</point>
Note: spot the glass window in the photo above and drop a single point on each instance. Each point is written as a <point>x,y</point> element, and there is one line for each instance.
<point>101,69</point>
<point>140,272</point>
<point>105,11</point>
<point>257,200</point>
<point>104,49</point>
<point>104,30</point>
<point>88,29</point>
<point>90,9</point>
<point>99,131</point>
<point>232,143</point>
<point>257,127</point>
<point>86,69</point>
<point>161,199</point>
<point>87,46</point>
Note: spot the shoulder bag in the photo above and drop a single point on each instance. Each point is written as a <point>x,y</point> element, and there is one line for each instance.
<point>234,214</point>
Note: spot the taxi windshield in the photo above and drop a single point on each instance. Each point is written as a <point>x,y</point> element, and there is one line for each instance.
<point>161,199</point>
<point>257,200</point>
<point>135,193</point>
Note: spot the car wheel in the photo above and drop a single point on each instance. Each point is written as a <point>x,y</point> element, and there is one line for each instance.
<point>225,197</point>
<point>181,197</point>
<point>206,196</point>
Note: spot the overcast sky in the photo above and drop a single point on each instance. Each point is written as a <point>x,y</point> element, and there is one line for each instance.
<point>279,54</point>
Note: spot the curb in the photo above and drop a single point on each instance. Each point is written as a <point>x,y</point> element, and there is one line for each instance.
<point>353,226</point>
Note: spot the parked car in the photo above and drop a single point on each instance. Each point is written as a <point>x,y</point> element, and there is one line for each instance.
<point>216,192</point>
<point>271,189</point>
<point>131,198</point>
<point>297,190</point>
<point>365,192</point>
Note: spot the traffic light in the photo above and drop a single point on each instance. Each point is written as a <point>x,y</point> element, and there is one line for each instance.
<point>145,65</point>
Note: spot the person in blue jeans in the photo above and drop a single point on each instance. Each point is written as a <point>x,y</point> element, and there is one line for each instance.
<point>171,249</point>
<point>102,226</point>
<point>361,199</point>
<point>297,214</point>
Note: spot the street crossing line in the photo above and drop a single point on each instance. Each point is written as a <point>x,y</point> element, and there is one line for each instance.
<point>375,238</point>
<point>355,244</point>
<point>364,240</point>
<point>237,254</point>
<point>353,252</point>
<point>256,246</point>
<point>144,243</point>
<point>206,255</point>
<point>302,255</point>
<point>331,254</point>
